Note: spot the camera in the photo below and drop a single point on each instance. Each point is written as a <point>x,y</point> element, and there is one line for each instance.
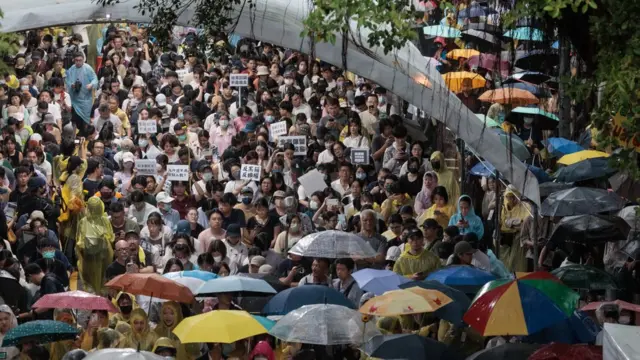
<point>76,86</point>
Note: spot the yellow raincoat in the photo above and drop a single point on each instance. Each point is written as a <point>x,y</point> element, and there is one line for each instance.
<point>89,337</point>
<point>143,340</point>
<point>513,256</point>
<point>59,348</point>
<point>446,212</point>
<point>94,245</point>
<point>446,177</point>
<point>116,318</point>
<point>71,193</point>
<point>409,264</point>
<point>185,351</point>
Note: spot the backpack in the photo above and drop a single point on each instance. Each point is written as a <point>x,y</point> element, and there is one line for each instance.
<point>68,56</point>
<point>94,246</point>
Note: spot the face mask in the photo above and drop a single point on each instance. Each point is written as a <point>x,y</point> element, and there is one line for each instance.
<point>180,247</point>
<point>126,309</point>
<point>294,227</point>
<point>328,146</point>
<point>313,205</point>
<point>382,100</point>
<point>143,142</point>
<point>435,165</point>
<point>167,207</point>
<point>224,124</point>
<point>182,137</point>
<point>413,170</point>
<point>528,120</point>
<point>49,254</point>
<point>180,116</point>
<point>268,119</point>
<point>246,200</point>
<point>236,175</point>
<point>288,82</point>
<point>361,176</point>
<point>217,259</point>
<point>207,176</point>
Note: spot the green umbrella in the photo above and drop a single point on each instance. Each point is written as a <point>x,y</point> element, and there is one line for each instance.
<point>441,31</point>
<point>544,120</point>
<point>525,33</point>
<point>585,277</point>
<point>40,331</point>
<point>489,122</point>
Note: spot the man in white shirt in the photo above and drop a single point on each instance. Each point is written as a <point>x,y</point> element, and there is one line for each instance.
<point>140,210</point>
<point>104,116</point>
<point>299,106</point>
<point>54,109</point>
<point>237,251</point>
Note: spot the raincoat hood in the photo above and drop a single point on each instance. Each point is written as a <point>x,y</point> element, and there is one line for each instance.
<point>166,330</point>
<point>471,211</point>
<point>14,320</point>
<point>425,189</point>
<point>144,339</point>
<point>163,342</point>
<point>262,348</point>
<point>475,224</point>
<point>439,157</point>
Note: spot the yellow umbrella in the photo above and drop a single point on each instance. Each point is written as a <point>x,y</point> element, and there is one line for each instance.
<point>515,97</point>
<point>455,80</point>
<point>414,300</point>
<point>220,326</point>
<point>581,156</point>
<point>455,54</point>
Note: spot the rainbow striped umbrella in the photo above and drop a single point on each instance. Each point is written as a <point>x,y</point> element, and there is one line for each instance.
<point>526,305</point>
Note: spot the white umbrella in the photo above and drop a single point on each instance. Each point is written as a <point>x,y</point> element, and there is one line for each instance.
<point>334,245</point>
<point>123,354</point>
<point>331,325</point>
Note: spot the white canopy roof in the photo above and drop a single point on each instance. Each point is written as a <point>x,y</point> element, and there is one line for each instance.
<point>280,22</point>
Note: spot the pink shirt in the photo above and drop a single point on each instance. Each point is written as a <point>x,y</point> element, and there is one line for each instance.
<point>240,122</point>
<point>221,141</point>
<point>206,238</point>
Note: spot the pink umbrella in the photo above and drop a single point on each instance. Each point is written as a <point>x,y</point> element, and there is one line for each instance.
<point>622,304</point>
<point>75,300</point>
<point>490,62</point>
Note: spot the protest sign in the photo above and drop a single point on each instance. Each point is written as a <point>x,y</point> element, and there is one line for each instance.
<point>178,172</point>
<point>277,129</point>
<point>360,156</point>
<point>239,80</point>
<point>147,127</point>
<point>312,181</point>
<point>145,167</point>
<point>181,74</point>
<point>300,143</point>
<point>250,172</point>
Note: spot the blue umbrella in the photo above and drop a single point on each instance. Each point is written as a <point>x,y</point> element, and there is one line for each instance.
<point>540,174</point>
<point>408,346</point>
<point>555,45</point>
<point>268,324</point>
<point>579,328</point>
<point>483,169</point>
<point>560,146</point>
<point>378,281</point>
<point>197,274</point>
<point>453,311</point>
<point>40,331</point>
<point>475,10</point>
<point>294,298</point>
<point>441,31</point>
<point>467,279</point>
<point>235,284</point>
<point>525,33</point>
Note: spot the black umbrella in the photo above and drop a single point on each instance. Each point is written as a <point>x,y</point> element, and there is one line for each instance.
<point>482,27</point>
<point>589,229</point>
<point>537,60</point>
<point>408,346</point>
<point>12,293</point>
<point>549,188</point>
<point>581,201</point>
<point>625,186</point>
<point>26,245</point>
<point>506,352</point>
<point>585,170</point>
<point>255,304</point>
<point>532,77</point>
<point>485,41</point>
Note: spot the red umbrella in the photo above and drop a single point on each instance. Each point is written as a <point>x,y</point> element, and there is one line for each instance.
<point>558,351</point>
<point>152,285</point>
<point>75,300</point>
<point>490,62</point>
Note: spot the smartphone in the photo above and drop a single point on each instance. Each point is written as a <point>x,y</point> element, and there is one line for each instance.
<point>333,202</point>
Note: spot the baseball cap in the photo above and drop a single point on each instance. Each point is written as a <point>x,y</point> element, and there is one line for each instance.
<point>430,224</point>
<point>187,108</point>
<point>279,193</point>
<point>265,269</point>
<point>183,227</point>
<point>258,260</point>
<point>36,182</point>
<point>36,215</point>
<point>163,197</point>
<point>463,247</point>
<point>246,190</point>
<point>393,253</point>
<point>414,232</point>
<point>233,230</point>
<point>161,100</point>
<point>128,157</point>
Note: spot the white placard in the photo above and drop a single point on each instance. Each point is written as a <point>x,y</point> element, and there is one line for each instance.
<point>239,80</point>
<point>312,181</point>
<point>360,156</point>
<point>277,129</point>
<point>145,167</point>
<point>250,172</point>
<point>181,73</point>
<point>147,127</point>
<point>300,143</point>
<point>178,172</point>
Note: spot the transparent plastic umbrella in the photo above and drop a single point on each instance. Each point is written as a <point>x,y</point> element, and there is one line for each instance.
<point>333,244</point>
<point>331,325</point>
<point>123,354</point>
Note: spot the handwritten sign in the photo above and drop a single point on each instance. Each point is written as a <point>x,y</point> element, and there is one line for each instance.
<point>250,172</point>
<point>178,172</point>
<point>360,156</point>
<point>147,127</point>
<point>239,80</point>
<point>299,142</point>
<point>277,129</point>
<point>145,167</point>
<point>312,181</point>
<point>181,74</point>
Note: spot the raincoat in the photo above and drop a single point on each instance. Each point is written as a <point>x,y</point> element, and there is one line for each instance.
<point>125,331</point>
<point>59,348</point>
<point>81,99</point>
<point>513,256</point>
<point>409,264</point>
<point>264,349</point>
<point>72,200</point>
<point>185,351</point>
<point>164,342</point>
<point>89,337</point>
<point>423,199</point>
<point>446,177</point>
<point>475,222</point>
<point>143,340</point>
<point>9,352</point>
<point>94,245</point>
<point>443,218</point>
<point>120,317</point>
<point>108,338</point>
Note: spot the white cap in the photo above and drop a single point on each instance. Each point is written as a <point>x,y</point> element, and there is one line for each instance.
<point>393,253</point>
<point>163,197</point>
<point>128,157</point>
<point>263,70</point>
<point>161,100</point>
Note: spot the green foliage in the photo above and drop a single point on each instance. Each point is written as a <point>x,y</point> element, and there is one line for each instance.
<point>8,46</point>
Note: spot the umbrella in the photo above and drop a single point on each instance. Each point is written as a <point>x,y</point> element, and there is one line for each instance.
<point>489,122</point>
<point>122,354</point>
<point>538,91</point>
<point>441,31</point>
<point>515,144</point>
<point>425,6</point>
<point>506,351</point>
<point>526,305</point>
<point>581,201</point>
<point>192,283</point>
<point>578,328</point>
<point>294,298</point>
<point>537,60</point>
<point>482,27</point>
<point>330,325</point>
<point>194,274</point>
<point>456,54</point>
<point>525,33</point>
<point>559,351</point>
<point>333,244</point>
<point>543,120</point>
<point>585,277</point>
<point>485,41</point>
<point>220,326</point>
<point>560,146</point>
<point>549,188</point>
<point>378,281</point>
<point>589,229</point>
<point>467,279</point>
<point>455,80</point>
<point>484,169</point>
<point>490,62</point>
<point>77,299</point>
<point>585,170</point>
<point>235,284</point>
<point>153,285</point>
<point>541,175</point>
<point>40,331</point>
<point>453,311</point>
<point>532,77</point>
<point>623,305</point>
<point>475,10</point>
<point>581,156</point>
<point>513,96</point>
<point>624,185</point>
<point>414,300</point>
<point>407,346</point>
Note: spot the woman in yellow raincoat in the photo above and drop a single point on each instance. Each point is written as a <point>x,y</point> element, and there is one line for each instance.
<point>512,216</point>
<point>170,317</point>
<point>141,336</point>
<point>59,348</point>
<point>89,338</point>
<point>126,303</point>
<point>446,177</point>
<point>94,245</point>
<point>441,210</point>
<point>125,331</point>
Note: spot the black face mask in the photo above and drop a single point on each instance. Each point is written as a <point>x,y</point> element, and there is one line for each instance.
<point>126,309</point>
<point>180,247</point>
<point>435,165</point>
<point>413,170</point>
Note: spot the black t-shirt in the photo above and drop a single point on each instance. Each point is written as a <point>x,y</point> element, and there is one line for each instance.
<point>115,269</point>
<point>304,269</point>
<point>91,187</point>
<point>411,188</point>
<point>267,228</point>
<point>16,195</point>
<point>236,217</point>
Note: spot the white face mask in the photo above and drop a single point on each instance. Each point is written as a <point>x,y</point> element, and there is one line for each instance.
<point>528,120</point>
<point>217,259</point>
<point>288,82</point>
<point>224,124</point>
<point>313,205</point>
